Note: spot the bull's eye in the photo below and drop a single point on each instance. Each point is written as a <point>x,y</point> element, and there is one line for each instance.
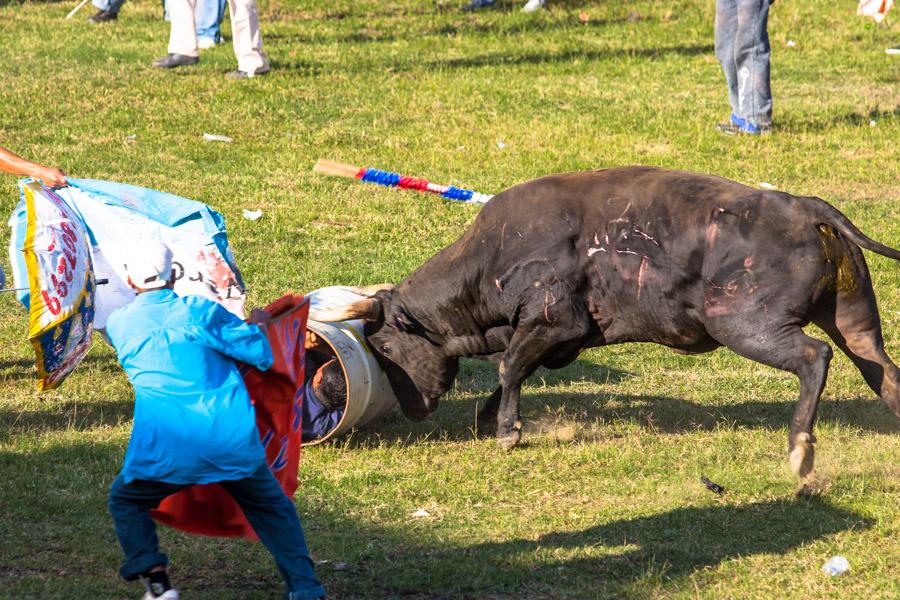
<point>386,349</point>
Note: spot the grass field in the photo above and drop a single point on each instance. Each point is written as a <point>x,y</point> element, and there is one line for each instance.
<point>603,500</point>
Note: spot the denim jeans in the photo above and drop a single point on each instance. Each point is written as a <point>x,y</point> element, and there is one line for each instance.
<point>207,18</point>
<point>109,5</point>
<point>271,513</point>
<point>742,47</point>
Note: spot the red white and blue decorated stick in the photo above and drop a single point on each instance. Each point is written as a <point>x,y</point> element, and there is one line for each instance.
<point>386,178</point>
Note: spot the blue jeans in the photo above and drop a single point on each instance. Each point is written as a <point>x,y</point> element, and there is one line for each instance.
<point>271,513</point>
<point>109,5</point>
<point>742,47</point>
<point>208,16</point>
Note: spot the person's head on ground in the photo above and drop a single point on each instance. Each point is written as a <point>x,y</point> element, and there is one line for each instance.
<point>330,386</point>
<point>149,266</point>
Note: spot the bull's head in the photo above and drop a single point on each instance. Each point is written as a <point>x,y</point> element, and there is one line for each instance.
<point>417,368</point>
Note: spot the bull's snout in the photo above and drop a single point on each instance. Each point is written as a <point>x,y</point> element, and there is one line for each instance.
<point>419,410</point>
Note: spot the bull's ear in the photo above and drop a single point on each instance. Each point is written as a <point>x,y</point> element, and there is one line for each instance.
<point>368,309</point>
<point>368,290</point>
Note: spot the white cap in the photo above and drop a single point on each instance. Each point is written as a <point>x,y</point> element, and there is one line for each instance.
<point>149,264</point>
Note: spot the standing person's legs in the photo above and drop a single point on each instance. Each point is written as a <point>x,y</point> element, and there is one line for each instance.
<point>752,52</point>
<point>183,36</point>
<point>248,45</point>
<point>113,6</point>
<point>726,34</point>
<point>107,10</point>
<point>130,505</point>
<point>209,14</point>
<point>274,519</point>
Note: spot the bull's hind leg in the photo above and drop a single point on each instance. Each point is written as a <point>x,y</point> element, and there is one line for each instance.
<point>789,349</point>
<point>855,327</point>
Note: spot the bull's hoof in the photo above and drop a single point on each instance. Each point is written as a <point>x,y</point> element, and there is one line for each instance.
<point>811,487</point>
<point>802,455</point>
<point>510,440</point>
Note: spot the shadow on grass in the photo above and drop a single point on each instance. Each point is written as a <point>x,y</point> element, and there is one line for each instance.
<point>24,368</point>
<point>607,560</point>
<point>853,119</point>
<point>578,416</point>
<point>71,415</point>
<point>564,56</point>
<point>624,557</point>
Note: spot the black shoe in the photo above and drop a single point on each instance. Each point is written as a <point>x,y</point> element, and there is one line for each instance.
<point>170,61</point>
<point>103,16</point>
<point>238,74</point>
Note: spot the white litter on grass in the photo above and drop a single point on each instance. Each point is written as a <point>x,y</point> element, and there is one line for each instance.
<point>872,123</point>
<point>767,186</point>
<point>893,51</point>
<point>421,513</point>
<point>836,565</point>
<point>212,137</point>
<point>252,214</point>
<point>501,144</point>
<point>130,137</point>
<point>791,43</point>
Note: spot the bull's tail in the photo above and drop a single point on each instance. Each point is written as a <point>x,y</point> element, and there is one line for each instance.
<point>826,214</point>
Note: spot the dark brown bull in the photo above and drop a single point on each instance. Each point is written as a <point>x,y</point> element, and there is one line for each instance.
<point>634,254</point>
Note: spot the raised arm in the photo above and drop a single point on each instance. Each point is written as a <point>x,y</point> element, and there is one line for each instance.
<point>245,342</point>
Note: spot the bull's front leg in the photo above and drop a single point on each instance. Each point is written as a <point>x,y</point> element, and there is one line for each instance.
<point>558,330</point>
<point>509,422</point>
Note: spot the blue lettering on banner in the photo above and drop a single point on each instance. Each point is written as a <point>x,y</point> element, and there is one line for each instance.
<point>298,403</point>
<point>280,461</point>
<point>267,438</point>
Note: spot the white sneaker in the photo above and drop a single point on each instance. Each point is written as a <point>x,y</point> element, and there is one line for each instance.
<point>206,43</point>
<point>533,5</point>
<point>170,594</point>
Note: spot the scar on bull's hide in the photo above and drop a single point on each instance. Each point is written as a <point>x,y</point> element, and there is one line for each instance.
<point>599,248</point>
<point>549,300</point>
<point>644,234</point>
<point>502,235</point>
<point>641,272</point>
<point>499,284</point>
<point>712,230</point>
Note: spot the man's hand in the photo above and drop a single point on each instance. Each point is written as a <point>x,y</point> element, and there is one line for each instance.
<point>11,163</point>
<point>258,317</point>
<point>50,176</point>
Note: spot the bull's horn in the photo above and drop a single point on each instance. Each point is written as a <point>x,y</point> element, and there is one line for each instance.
<point>368,290</point>
<point>368,309</point>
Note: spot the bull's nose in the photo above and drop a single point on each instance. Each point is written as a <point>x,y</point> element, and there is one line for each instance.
<point>431,404</point>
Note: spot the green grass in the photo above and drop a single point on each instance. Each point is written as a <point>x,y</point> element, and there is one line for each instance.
<point>603,499</point>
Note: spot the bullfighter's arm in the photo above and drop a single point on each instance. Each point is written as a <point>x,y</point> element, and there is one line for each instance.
<point>17,165</point>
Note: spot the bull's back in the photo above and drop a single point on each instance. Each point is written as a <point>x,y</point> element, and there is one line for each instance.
<point>650,250</point>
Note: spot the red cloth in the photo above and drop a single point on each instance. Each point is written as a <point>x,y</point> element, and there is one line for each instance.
<point>277,395</point>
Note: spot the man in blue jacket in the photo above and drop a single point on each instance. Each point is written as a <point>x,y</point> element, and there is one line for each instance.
<point>193,423</point>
